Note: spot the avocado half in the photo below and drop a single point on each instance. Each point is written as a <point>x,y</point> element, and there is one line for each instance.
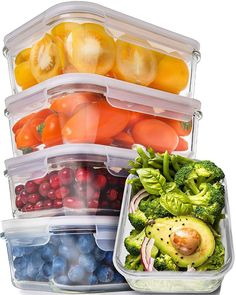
<point>162,229</point>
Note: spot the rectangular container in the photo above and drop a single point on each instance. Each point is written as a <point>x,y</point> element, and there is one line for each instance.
<point>171,281</point>
<point>88,108</point>
<point>88,38</point>
<point>44,254</point>
<point>68,180</point>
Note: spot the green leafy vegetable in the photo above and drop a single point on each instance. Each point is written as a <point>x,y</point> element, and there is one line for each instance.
<point>152,180</point>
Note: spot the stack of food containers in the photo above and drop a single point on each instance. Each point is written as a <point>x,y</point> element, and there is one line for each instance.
<point>89,85</point>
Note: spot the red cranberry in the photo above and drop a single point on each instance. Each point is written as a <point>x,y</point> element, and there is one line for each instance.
<point>24,195</point>
<point>54,181</point>
<point>28,208</point>
<point>90,192</point>
<point>19,203</point>
<point>52,194</point>
<point>112,194</point>
<point>104,204</point>
<point>93,204</point>
<point>96,195</point>
<point>112,180</point>
<point>84,175</point>
<point>73,202</point>
<point>58,204</point>
<point>33,198</point>
<point>62,192</point>
<point>44,188</point>
<point>39,205</point>
<point>100,182</point>
<point>38,181</point>
<point>31,187</point>
<point>48,204</point>
<point>66,176</point>
<point>80,190</point>
<point>19,188</point>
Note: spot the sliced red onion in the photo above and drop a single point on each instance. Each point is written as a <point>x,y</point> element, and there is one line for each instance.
<point>136,200</point>
<point>143,253</point>
<point>146,254</point>
<point>151,264</point>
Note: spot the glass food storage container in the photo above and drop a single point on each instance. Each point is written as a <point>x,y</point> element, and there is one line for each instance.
<point>68,180</point>
<point>89,38</point>
<point>63,254</point>
<point>161,281</point>
<point>88,108</point>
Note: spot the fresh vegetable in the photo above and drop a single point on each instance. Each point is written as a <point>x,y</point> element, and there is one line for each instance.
<point>23,75</point>
<point>182,145</point>
<point>133,263</point>
<point>51,131</point>
<point>63,29</point>
<point>181,128</point>
<point>23,56</point>
<point>124,139</point>
<point>178,203</point>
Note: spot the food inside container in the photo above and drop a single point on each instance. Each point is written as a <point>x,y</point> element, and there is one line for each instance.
<point>82,37</point>
<point>63,254</point>
<point>68,180</point>
<point>174,226</point>
<point>79,108</point>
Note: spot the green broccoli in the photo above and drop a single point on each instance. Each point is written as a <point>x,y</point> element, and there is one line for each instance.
<point>165,262</point>
<point>191,176</point>
<point>152,208</point>
<point>138,219</point>
<point>216,261</point>
<point>208,204</point>
<point>134,242</point>
<point>134,263</point>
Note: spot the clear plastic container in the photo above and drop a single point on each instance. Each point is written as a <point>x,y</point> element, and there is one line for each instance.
<point>89,38</point>
<point>171,281</point>
<point>68,180</point>
<point>63,254</point>
<point>88,108</point>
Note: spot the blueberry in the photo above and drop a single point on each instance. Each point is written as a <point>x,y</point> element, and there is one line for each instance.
<point>55,240</point>
<point>21,275</point>
<point>68,240</point>
<point>108,258</point>
<point>48,252</point>
<point>105,274</point>
<point>88,262</point>
<point>76,274</point>
<point>91,279</point>
<point>59,266</point>
<point>69,253</point>
<point>17,251</point>
<point>99,254</point>
<point>20,263</point>
<point>32,271</point>
<point>40,277</point>
<point>62,280</point>
<point>118,278</point>
<point>86,243</point>
<point>47,269</point>
<point>36,258</point>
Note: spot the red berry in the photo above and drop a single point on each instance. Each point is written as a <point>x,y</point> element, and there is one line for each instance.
<point>31,187</point>
<point>19,203</point>
<point>116,205</point>
<point>80,190</point>
<point>112,194</point>
<point>73,202</point>
<point>28,208</point>
<point>104,204</point>
<point>62,192</point>
<point>54,181</point>
<point>48,204</point>
<point>24,195</point>
<point>93,204</point>
<point>52,194</point>
<point>90,192</point>
<point>112,180</point>
<point>96,195</point>
<point>58,204</point>
<point>38,181</point>
<point>84,175</point>
<point>39,205</point>
<point>44,188</point>
<point>33,198</point>
<point>19,188</point>
<point>66,176</point>
<point>100,181</point>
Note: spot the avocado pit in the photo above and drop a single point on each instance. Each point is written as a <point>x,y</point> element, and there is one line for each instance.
<point>185,240</point>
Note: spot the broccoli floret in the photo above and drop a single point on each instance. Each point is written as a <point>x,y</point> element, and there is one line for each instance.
<point>191,176</point>
<point>152,208</point>
<point>133,263</point>
<point>208,204</point>
<point>134,242</point>
<point>216,261</point>
<point>138,219</point>
<point>165,262</point>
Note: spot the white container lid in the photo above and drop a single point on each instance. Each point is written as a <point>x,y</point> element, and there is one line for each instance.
<point>119,94</point>
<point>109,18</point>
<point>38,161</point>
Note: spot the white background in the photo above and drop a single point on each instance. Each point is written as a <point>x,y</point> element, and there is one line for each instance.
<point>213,24</point>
